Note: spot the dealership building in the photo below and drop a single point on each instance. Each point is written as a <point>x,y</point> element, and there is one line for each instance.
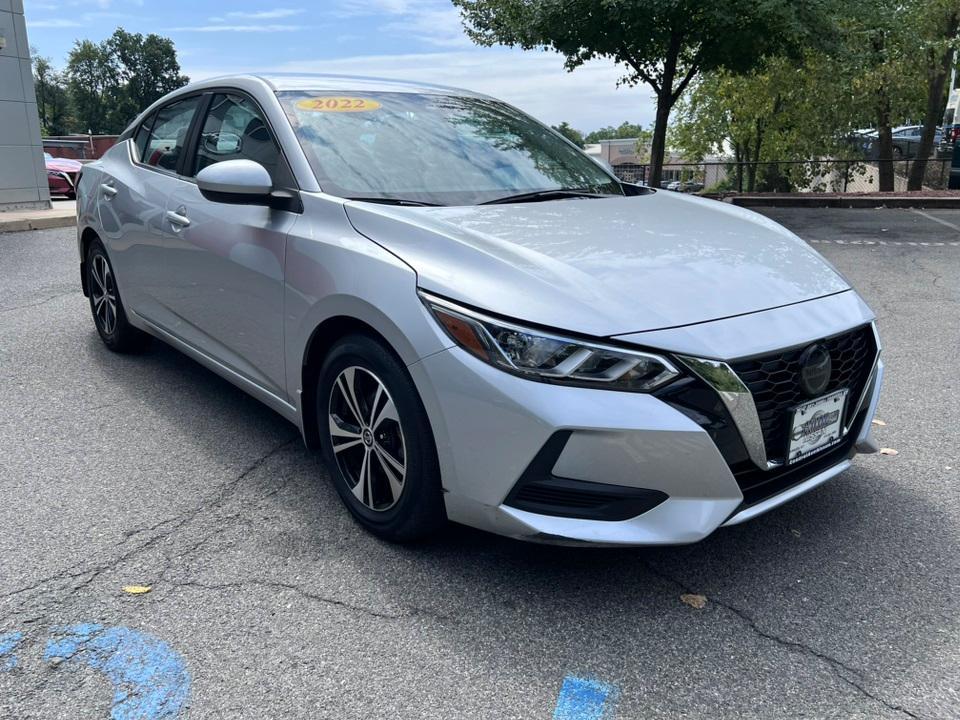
<point>23,174</point>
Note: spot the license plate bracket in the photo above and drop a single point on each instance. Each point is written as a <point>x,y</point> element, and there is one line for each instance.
<point>816,425</point>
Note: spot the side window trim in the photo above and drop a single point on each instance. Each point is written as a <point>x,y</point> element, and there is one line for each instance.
<point>185,161</point>
<point>146,125</point>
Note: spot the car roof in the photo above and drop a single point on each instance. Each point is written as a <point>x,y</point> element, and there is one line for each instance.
<point>280,82</point>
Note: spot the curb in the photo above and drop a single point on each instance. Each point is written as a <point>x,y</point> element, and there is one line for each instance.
<point>903,201</point>
<point>37,223</point>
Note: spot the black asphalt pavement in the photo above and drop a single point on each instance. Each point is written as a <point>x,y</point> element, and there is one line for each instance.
<point>267,601</point>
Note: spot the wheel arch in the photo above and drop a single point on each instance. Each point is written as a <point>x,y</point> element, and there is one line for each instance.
<point>86,237</point>
<point>318,345</point>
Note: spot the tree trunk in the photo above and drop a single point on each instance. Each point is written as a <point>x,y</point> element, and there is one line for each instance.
<point>665,101</point>
<point>738,159</point>
<point>939,71</point>
<point>884,142</point>
<point>658,145</point>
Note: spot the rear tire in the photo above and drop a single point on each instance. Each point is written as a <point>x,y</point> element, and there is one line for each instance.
<point>377,441</point>
<point>107,308</point>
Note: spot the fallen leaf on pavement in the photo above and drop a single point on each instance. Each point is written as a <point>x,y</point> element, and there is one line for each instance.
<point>694,601</point>
<point>136,589</point>
<point>889,451</point>
<point>881,423</point>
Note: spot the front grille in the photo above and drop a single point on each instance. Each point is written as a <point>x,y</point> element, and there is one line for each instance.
<point>774,382</point>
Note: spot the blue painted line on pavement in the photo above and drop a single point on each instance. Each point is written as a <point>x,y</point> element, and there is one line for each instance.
<point>150,680</point>
<point>582,699</point>
<point>8,643</point>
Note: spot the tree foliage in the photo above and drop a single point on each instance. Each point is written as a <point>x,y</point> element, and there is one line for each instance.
<point>662,43</point>
<point>623,131</point>
<point>937,24</point>
<point>111,81</point>
<point>53,99</point>
<point>888,67</point>
<point>570,133</point>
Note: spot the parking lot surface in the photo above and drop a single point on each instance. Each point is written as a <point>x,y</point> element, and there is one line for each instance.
<point>267,601</point>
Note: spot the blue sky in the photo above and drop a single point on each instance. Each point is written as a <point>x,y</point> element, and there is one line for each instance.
<point>409,39</point>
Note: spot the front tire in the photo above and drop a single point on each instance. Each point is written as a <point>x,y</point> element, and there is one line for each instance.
<point>377,441</point>
<point>107,308</point>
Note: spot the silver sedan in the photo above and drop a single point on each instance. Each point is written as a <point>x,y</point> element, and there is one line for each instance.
<point>473,320</point>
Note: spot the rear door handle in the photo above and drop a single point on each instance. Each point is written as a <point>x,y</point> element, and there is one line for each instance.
<point>177,220</point>
<point>108,190</point>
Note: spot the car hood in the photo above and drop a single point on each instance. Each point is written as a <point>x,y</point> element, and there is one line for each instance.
<point>64,165</point>
<point>603,266</point>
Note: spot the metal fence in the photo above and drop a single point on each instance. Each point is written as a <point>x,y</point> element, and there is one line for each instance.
<point>827,175</point>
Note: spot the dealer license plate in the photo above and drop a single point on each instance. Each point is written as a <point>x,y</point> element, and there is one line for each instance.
<point>816,425</point>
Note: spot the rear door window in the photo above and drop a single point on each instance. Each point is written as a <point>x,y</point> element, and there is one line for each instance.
<point>168,136</point>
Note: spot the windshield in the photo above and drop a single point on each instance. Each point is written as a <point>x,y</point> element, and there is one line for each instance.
<point>434,149</point>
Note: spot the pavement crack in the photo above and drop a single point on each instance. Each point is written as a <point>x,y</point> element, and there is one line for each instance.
<point>85,573</point>
<point>50,298</point>
<point>312,596</point>
<point>840,669</point>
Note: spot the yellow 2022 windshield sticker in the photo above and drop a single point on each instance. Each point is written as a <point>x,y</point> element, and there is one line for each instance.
<point>338,104</point>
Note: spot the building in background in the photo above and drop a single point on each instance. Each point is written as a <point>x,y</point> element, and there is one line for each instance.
<point>629,161</point>
<point>23,174</point>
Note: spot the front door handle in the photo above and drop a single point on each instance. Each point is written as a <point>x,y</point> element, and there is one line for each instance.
<point>178,220</point>
<point>108,190</point>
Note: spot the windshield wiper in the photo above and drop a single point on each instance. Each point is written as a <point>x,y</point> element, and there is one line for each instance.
<point>539,195</point>
<point>394,201</point>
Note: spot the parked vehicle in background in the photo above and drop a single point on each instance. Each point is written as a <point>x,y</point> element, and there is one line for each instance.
<point>906,140</point>
<point>691,186</point>
<point>62,175</point>
<point>487,327</point>
<point>951,118</point>
<point>863,142</point>
<point>673,185</point>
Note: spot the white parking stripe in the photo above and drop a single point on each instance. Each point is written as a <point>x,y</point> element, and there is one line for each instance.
<point>928,216</point>
<point>955,243</point>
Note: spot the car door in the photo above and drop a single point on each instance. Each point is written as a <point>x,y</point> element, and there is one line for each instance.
<point>136,177</point>
<point>224,262</point>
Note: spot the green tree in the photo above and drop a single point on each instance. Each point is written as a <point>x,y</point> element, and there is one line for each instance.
<point>570,133</point>
<point>624,131</point>
<point>53,99</point>
<point>879,50</point>
<point>664,44</point>
<point>783,111</point>
<point>92,81</point>
<point>110,82</point>
<point>147,70</point>
<point>937,26</point>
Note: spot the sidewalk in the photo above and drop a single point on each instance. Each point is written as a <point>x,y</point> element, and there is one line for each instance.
<point>929,199</point>
<point>62,214</point>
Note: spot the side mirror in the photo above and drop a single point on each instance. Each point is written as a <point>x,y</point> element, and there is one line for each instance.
<point>238,182</point>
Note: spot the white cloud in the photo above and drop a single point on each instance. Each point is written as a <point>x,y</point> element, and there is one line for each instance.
<point>432,22</point>
<point>266,14</point>
<point>348,8</point>
<point>439,26</point>
<point>54,23</point>
<point>238,28</point>
<point>587,98</point>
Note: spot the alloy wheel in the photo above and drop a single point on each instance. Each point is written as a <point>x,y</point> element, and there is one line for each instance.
<point>103,294</point>
<point>367,438</point>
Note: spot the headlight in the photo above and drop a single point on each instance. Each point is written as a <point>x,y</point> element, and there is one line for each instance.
<point>550,358</point>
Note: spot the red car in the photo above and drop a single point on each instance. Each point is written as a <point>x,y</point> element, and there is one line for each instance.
<point>62,175</point>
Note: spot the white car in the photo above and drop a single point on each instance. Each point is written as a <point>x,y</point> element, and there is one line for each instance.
<point>471,318</point>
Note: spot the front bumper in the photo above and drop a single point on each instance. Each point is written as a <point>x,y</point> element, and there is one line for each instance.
<point>489,427</point>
